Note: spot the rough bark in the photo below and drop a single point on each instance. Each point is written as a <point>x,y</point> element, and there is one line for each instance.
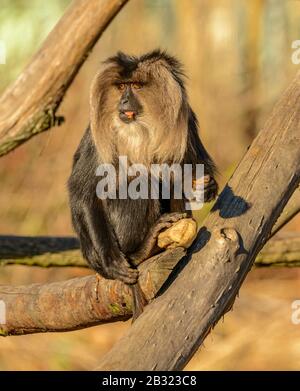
<point>172,328</point>
<point>29,107</point>
<point>80,302</point>
<point>283,250</point>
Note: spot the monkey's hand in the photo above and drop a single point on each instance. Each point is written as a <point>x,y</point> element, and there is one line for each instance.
<point>210,187</point>
<point>149,246</point>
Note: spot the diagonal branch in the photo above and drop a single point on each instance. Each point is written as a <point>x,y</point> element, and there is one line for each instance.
<point>29,107</point>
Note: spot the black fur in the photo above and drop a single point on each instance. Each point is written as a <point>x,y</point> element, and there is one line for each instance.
<point>128,64</point>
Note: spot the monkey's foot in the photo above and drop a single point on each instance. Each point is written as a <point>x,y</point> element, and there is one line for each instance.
<point>150,245</point>
<point>120,269</point>
<point>180,234</point>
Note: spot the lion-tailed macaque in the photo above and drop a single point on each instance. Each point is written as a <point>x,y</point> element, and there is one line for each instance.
<point>138,109</point>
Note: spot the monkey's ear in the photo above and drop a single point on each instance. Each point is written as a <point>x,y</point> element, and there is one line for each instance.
<point>95,93</point>
<point>101,112</point>
<point>99,87</point>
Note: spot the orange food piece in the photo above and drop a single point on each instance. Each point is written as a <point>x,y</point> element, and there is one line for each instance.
<point>129,114</point>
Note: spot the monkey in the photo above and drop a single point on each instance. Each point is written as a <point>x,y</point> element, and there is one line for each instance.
<point>139,108</point>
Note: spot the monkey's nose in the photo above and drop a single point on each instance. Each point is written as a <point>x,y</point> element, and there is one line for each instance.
<point>124,101</point>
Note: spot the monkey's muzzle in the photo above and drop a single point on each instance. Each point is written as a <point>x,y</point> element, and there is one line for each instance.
<point>128,116</point>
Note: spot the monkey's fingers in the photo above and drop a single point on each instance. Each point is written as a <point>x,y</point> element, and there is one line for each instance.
<point>164,222</point>
<point>171,217</point>
<point>160,226</point>
<point>121,270</point>
<point>201,181</point>
<point>149,247</point>
<point>210,191</point>
<point>128,275</point>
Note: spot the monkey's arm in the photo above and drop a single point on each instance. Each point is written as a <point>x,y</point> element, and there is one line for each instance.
<point>197,154</point>
<point>98,241</point>
<point>100,246</point>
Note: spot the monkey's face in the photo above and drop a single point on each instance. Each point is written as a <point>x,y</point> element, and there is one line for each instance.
<point>151,97</point>
<point>129,106</point>
<point>139,106</point>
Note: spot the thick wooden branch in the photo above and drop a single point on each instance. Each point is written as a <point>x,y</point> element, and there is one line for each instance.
<point>80,302</point>
<point>283,250</point>
<point>171,329</point>
<point>30,104</point>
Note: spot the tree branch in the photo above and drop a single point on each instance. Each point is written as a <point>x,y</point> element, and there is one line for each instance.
<point>80,302</point>
<point>291,210</point>
<point>27,107</point>
<point>43,251</point>
<point>280,251</point>
<point>171,328</point>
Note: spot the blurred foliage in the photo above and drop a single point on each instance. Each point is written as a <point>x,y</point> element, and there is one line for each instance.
<point>23,27</point>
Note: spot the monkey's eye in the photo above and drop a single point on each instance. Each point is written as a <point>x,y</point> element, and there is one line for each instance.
<point>136,85</point>
<point>121,86</point>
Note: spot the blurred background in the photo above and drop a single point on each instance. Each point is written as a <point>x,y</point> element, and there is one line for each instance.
<point>237,55</point>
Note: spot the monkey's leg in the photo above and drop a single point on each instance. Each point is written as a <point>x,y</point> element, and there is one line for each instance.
<point>149,246</point>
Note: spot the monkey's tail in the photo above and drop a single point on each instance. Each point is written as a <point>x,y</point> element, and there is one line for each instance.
<point>139,301</point>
